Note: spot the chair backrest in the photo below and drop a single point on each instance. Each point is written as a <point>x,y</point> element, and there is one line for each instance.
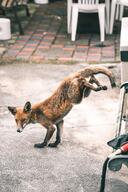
<point>6,3</point>
<point>123,2</point>
<point>10,3</point>
<point>89,2</point>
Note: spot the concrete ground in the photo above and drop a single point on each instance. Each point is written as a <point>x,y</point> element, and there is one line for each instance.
<point>75,166</point>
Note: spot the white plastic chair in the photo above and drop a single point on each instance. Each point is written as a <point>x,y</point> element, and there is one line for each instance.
<point>69,9</point>
<point>85,6</point>
<point>119,12</point>
<point>119,5</point>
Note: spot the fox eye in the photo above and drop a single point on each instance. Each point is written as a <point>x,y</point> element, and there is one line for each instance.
<point>23,120</point>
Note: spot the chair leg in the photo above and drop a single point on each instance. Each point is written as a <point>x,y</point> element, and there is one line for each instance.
<point>69,15</point>
<point>27,11</point>
<point>121,111</point>
<point>74,22</point>
<point>121,12</point>
<point>3,12</point>
<point>103,176</point>
<point>113,8</point>
<point>101,14</point>
<point>107,4</point>
<point>18,22</point>
<point>117,12</point>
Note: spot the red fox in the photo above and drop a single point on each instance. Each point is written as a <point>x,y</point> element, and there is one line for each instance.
<point>50,112</point>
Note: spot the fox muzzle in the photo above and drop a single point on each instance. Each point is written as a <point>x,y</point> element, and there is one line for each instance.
<point>19,130</point>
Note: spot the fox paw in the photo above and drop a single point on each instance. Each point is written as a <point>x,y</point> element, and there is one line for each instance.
<point>40,145</point>
<point>104,87</point>
<point>99,88</point>
<point>52,144</point>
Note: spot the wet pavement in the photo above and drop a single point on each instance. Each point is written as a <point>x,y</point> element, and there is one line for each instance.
<point>46,39</point>
<point>75,166</point>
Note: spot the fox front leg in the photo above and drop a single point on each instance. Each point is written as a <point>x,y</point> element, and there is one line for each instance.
<point>58,134</point>
<point>48,136</point>
<point>50,130</point>
<point>45,122</point>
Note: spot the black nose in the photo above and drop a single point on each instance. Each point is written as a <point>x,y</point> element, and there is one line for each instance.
<point>18,130</point>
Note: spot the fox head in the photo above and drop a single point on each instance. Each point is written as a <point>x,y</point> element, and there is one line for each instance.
<point>22,115</point>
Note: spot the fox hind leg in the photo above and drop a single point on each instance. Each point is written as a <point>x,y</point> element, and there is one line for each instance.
<point>92,87</point>
<point>94,80</point>
<point>88,89</point>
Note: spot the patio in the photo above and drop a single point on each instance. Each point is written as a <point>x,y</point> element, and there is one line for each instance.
<point>46,39</point>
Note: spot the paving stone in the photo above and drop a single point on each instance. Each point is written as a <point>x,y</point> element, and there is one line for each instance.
<point>23,57</point>
<point>44,46</point>
<point>81,48</point>
<point>12,41</point>
<point>68,48</point>
<point>80,56</point>
<point>65,59</point>
<point>38,34</point>
<point>47,40</point>
<point>12,51</point>
<point>51,57</point>
<point>59,41</point>
<point>49,36</point>
<point>36,58</point>
<point>31,41</point>
<point>41,52</point>
<point>68,53</point>
<point>25,53</point>
<point>57,46</point>
<point>94,59</point>
<point>82,59</point>
<point>21,42</point>
<point>11,54</point>
<point>34,37</point>
<point>94,50</point>
<point>112,53</point>
<point>2,50</point>
<point>117,58</point>
<point>39,31</point>
<point>82,42</point>
<point>24,37</point>
<point>28,49</point>
<point>107,59</point>
<point>28,32</point>
<point>57,52</point>
<point>16,47</point>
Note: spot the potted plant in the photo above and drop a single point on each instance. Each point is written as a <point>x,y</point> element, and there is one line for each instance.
<point>41,1</point>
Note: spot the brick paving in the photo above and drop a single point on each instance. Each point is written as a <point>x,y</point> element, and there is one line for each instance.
<point>46,38</point>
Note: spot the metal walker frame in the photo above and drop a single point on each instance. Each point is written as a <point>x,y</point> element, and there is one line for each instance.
<point>115,163</point>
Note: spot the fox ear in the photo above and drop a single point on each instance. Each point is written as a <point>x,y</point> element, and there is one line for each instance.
<point>27,107</point>
<point>12,110</point>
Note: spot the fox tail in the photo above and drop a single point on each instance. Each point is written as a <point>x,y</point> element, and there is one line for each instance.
<point>88,71</point>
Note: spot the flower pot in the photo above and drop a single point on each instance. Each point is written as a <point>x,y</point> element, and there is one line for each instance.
<point>41,1</point>
<point>5,29</point>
